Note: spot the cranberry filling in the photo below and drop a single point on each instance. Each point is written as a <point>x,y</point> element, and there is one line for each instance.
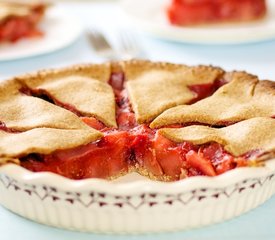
<point>186,12</point>
<point>134,146</point>
<point>3,127</point>
<point>206,90</point>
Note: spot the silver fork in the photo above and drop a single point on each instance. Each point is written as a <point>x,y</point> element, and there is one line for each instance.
<point>101,45</point>
<point>128,47</point>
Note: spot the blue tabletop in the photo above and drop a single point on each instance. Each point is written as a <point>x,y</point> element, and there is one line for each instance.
<point>255,58</point>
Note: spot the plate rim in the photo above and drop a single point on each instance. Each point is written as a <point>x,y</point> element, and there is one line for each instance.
<point>198,35</point>
<point>224,180</point>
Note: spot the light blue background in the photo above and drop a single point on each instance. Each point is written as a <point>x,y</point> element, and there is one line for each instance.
<point>255,58</point>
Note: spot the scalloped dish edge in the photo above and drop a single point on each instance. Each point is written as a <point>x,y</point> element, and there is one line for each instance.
<point>54,180</point>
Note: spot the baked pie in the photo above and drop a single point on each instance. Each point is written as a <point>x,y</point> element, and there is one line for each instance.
<point>165,121</point>
<point>19,19</point>
<point>193,12</point>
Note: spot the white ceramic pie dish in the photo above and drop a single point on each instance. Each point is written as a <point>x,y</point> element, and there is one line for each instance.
<point>133,204</point>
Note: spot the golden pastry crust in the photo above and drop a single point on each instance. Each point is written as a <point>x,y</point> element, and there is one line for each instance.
<point>7,10</point>
<point>237,139</point>
<point>242,98</point>
<point>89,98</point>
<point>8,89</point>
<point>44,141</point>
<point>49,127</point>
<point>6,160</point>
<point>18,8</point>
<point>92,93</point>
<point>22,113</point>
<point>100,72</point>
<point>154,88</point>
<point>200,74</point>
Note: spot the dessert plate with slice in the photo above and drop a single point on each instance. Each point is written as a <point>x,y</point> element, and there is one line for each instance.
<point>136,146</point>
<point>32,28</point>
<point>204,22</point>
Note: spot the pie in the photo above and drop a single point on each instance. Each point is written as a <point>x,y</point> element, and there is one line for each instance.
<point>194,12</point>
<point>20,19</point>
<point>165,121</point>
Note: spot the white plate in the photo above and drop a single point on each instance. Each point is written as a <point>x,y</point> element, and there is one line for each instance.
<point>60,30</point>
<point>152,19</point>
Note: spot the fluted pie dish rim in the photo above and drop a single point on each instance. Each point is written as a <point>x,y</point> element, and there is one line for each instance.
<point>99,147</point>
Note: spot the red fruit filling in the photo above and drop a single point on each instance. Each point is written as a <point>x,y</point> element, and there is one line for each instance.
<point>134,147</point>
<point>3,127</point>
<point>14,28</point>
<point>192,12</point>
<point>205,90</point>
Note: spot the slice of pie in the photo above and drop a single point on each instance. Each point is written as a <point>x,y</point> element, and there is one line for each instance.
<point>196,12</point>
<point>20,19</point>
<point>165,121</point>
